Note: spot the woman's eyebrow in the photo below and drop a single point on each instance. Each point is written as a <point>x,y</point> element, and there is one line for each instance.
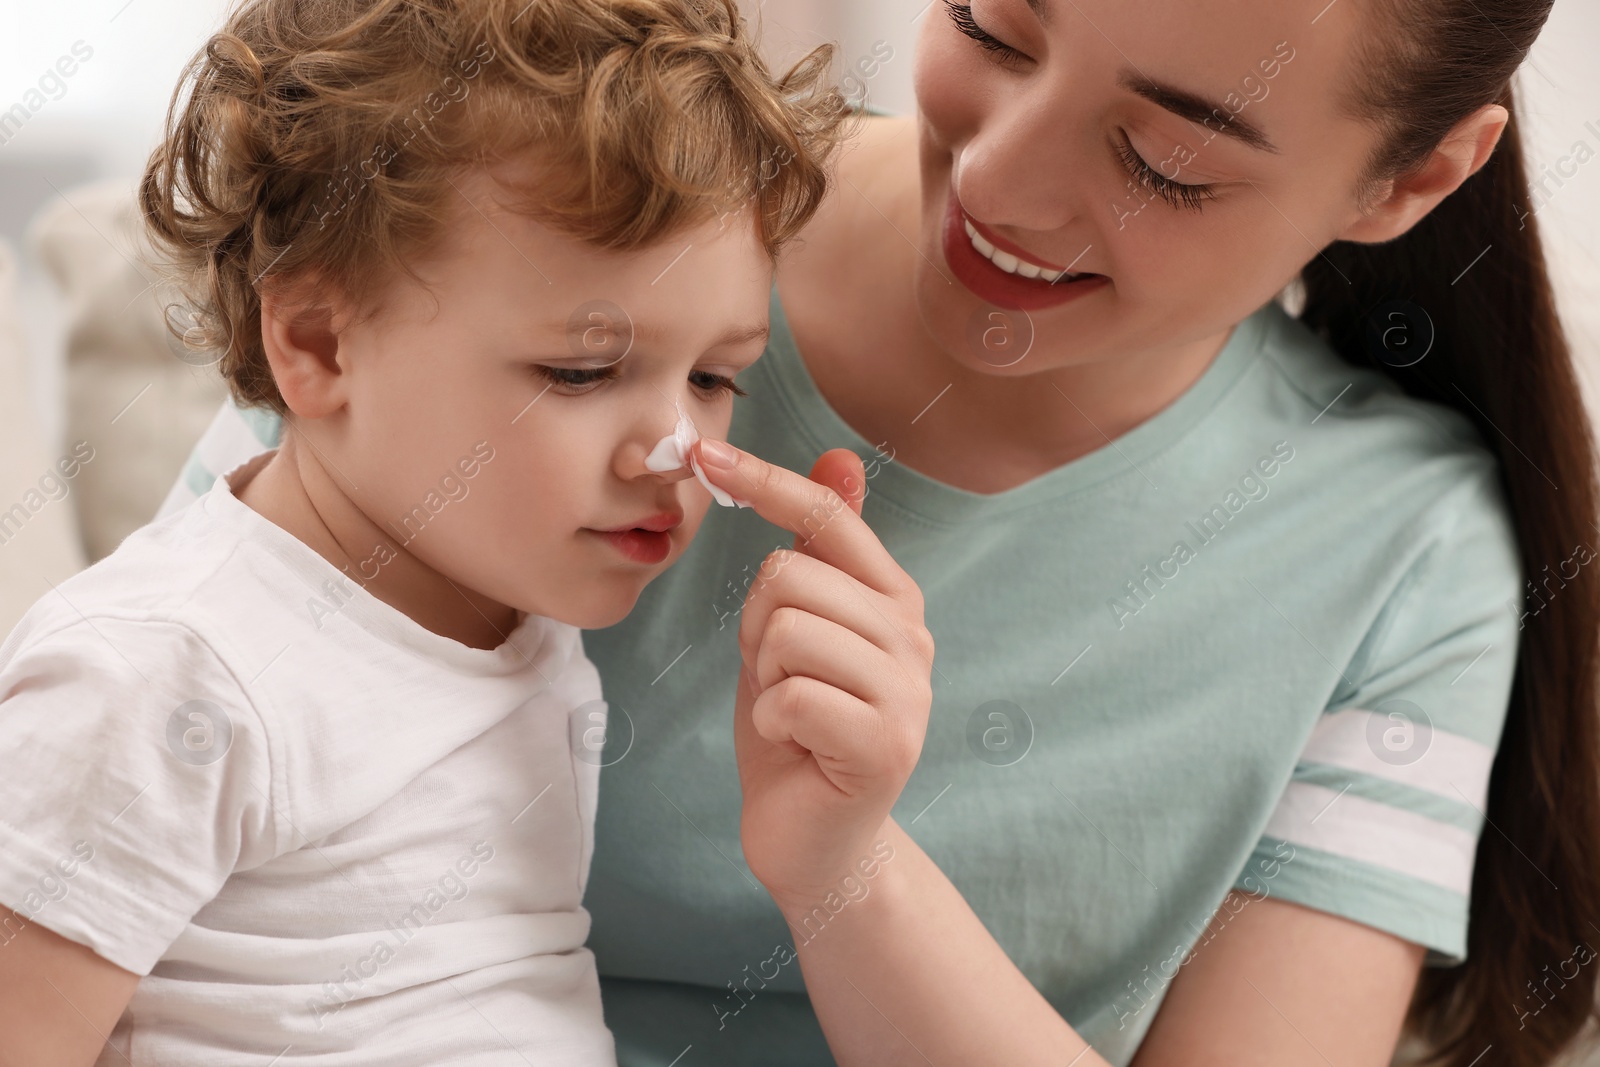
<point>1180,102</point>
<point>1195,108</point>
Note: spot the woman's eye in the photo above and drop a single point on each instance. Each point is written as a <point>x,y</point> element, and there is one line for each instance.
<point>961,15</point>
<point>1175,193</point>
<point>571,378</point>
<point>717,384</point>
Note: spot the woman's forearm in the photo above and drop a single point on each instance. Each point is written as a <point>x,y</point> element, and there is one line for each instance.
<point>908,974</point>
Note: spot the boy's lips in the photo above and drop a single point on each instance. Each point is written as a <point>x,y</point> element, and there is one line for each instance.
<point>657,523</point>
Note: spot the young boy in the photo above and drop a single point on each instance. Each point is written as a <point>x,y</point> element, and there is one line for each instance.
<point>307,770</point>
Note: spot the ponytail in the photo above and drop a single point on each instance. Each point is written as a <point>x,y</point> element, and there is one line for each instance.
<point>1472,275</point>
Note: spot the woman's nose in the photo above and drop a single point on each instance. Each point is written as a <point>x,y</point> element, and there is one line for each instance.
<point>1011,172</point>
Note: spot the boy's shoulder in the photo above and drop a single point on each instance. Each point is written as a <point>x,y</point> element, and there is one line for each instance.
<point>179,596</point>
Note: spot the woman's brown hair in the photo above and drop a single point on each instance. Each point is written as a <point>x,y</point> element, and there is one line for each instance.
<point>1473,274</point>
<point>319,140</point>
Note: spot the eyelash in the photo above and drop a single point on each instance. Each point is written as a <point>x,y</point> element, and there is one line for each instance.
<point>1175,193</point>
<point>961,15</point>
<point>556,375</point>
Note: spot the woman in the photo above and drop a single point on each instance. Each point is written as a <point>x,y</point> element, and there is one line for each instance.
<point>1229,607</point>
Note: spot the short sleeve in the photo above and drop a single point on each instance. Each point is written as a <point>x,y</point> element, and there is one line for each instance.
<point>1380,819</point>
<point>137,780</point>
<point>234,436</point>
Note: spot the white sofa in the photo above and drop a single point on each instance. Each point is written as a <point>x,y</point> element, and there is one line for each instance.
<point>132,408</point>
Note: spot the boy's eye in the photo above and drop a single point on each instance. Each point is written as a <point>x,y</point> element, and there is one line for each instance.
<point>718,384</point>
<point>575,381</point>
<point>961,15</point>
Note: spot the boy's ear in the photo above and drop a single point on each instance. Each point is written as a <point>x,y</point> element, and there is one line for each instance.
<point>1407,200</point>
<point>301,340</point>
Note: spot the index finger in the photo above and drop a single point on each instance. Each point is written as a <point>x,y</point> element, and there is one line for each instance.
<point>826,526</point>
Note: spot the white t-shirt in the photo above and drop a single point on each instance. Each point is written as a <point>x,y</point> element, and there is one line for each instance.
<point>320,831</point>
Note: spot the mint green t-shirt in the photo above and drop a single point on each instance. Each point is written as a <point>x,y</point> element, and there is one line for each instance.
<point>1265,639</point>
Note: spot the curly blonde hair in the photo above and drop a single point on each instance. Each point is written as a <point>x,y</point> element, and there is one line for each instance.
<point>319,139</point>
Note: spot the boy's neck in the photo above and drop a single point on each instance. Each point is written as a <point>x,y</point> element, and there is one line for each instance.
<point>300,498</point>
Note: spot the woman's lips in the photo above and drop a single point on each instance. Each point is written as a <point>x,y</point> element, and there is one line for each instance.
<point>1001,288</point>
<point>1022,255</point>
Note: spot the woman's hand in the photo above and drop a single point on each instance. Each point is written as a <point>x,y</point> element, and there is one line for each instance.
<point>834,688</point>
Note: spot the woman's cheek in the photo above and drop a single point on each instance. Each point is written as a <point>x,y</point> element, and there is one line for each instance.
<point>1157,248</point>
<point>1143,254</point>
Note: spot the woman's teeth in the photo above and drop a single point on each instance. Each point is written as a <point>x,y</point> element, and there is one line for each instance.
<point>1013,265</point>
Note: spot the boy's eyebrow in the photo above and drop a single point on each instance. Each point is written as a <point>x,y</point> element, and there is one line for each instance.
<point>738,335</point>
<point>1180,102</point>
<point>734,335</point>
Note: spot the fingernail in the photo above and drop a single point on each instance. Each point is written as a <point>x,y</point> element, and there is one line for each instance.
<point>718,454</point>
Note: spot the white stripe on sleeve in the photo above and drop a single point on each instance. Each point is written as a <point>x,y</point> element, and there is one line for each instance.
<point>1415,754</point>
<point>1356,828</point>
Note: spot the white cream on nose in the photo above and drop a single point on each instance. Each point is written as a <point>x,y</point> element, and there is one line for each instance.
<point>672,451</point>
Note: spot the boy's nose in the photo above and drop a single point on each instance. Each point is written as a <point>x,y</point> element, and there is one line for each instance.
<point>629,465</point>
<point>667,456</point>
<point>647,456</point>
<point>668,477</point>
